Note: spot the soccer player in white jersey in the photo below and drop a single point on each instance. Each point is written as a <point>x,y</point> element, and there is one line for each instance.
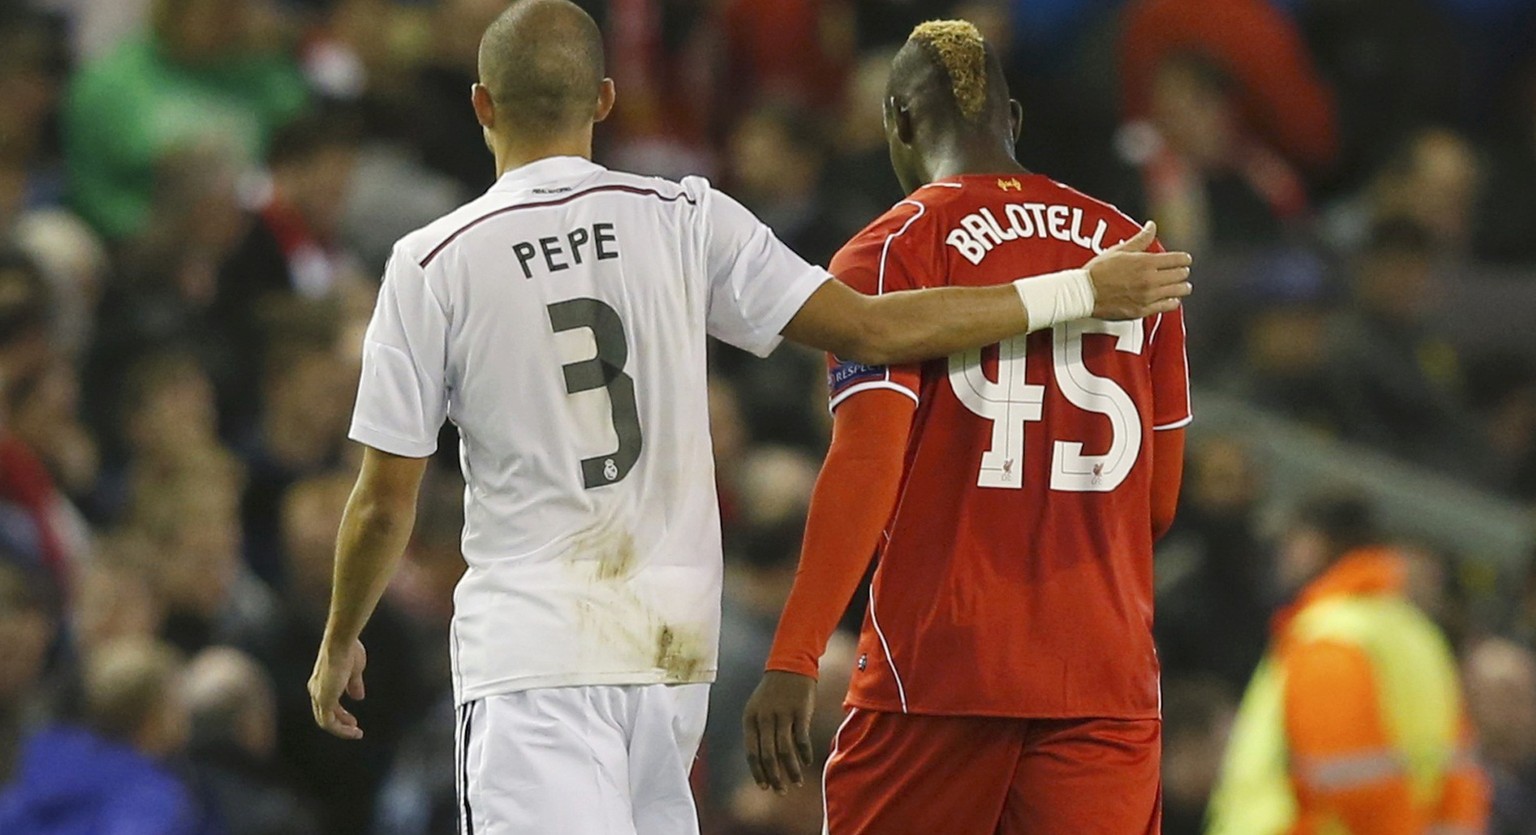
<point>560,321</point>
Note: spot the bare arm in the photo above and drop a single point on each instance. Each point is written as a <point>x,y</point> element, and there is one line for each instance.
<point>374,532</point>
<point>922,324</point>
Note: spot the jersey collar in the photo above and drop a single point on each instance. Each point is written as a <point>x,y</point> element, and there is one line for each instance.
<point>547,170</point>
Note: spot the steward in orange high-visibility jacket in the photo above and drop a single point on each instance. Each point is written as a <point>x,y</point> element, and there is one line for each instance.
<point>1354,722</point>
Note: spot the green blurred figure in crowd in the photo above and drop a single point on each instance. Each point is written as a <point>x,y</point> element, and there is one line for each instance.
<point>199,75</point>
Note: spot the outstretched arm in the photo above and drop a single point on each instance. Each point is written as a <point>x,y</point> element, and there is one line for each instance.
<point>850,506</point>
<point>1125,282</point>
<point>374,532</point>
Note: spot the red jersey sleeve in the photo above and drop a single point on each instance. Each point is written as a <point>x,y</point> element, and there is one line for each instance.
<point>1170,372</point>
<point>878,260</point>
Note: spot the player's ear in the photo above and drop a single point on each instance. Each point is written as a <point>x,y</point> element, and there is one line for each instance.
<point>1016,119</point>
<point>898,120</point>
<point>606,95</point>
<point>485,106</point>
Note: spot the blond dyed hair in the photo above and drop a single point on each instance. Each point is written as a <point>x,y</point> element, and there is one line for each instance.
<point>958,47</point>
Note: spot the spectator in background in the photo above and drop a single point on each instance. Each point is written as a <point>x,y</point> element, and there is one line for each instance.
<point>28,94</point>
<point>350,50</point>
<point>1507,213</point>
<point>1502,388</point>
<point>1400,389</point>
<point>98,28</point>
<point>433,565</point>
<point>166,421</point>
<point>1392,64</point>
<point>752,811</point>
<point>291,249</point>
<point>45,416</point>
<point>341,777</point>
<point>36,518</point>
<point>25,306</point>
<point>758,579</point>
<point>1431,180</point>
<point>1357,703</point>
<point>420,796</point>
<point>169,278</point>
<point>111,775</point>
<point>1283,366</point>
<point>195,78</point>
<point>774,482</point>
<point>232,744</point>
<point>1197,716</point>
<point>763,548</point>
<point>1056,56</point>
<point>1432,584</point>
<point>74,263</point>
<point>442,128</point>
<point>27,479</point>
<point>777,158</point>
<point>859,184</point>
<point>1523,622</point>
<point>677,82</point>
<point>1501,698</point>
<point>300,429</point>
<point>368,54</point>
<point>1275,90</point>
<point>729,439</point>
<point>1205,177</point>
<point>27,629</point>
<point>115,600</point>
<point>796,51</point>
<point>191,524</point>
<point>1214,570</point>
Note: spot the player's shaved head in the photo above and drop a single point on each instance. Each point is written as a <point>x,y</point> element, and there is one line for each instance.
<point>946,94</point>
<point>542,62</point>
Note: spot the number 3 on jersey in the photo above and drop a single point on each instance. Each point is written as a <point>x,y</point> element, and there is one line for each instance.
<point>1010,402</point>
<point>603,371</point>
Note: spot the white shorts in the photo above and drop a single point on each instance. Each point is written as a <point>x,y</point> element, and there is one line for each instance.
<point>594,760</point>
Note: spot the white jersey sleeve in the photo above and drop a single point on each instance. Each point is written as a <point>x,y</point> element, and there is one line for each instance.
<point>402,399</point>
<point>756,282</point>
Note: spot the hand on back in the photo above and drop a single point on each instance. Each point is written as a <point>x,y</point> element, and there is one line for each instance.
<point>1131,283</point>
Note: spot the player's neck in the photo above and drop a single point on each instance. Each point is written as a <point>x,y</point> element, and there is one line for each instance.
<point>962,161</point>
<point>514,152</point>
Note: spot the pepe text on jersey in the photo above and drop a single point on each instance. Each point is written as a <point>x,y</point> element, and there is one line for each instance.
<point>561,252</point>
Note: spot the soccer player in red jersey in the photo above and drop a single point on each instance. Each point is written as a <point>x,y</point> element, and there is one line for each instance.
<point>1006,678</point>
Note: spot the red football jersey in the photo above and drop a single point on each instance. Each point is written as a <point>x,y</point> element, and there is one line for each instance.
<point>1015,577</point>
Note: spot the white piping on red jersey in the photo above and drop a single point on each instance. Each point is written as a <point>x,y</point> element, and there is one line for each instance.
<point>880,633</point>
<point>885,250</point>
<point>826,815</point>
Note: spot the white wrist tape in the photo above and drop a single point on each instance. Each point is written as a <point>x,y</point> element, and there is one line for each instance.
<point>1056,297</point>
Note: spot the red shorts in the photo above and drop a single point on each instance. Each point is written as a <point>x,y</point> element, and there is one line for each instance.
<point>896,774</point>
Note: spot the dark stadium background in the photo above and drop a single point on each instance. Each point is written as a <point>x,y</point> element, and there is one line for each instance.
<point>1357,179</point>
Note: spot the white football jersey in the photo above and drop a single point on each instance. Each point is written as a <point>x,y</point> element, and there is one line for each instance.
<point>559,321</point>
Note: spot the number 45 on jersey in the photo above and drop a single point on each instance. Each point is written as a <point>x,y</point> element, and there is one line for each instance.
<point>1011,402</point>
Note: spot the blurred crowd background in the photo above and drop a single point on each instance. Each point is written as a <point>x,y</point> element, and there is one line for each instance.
<point>196,198</point>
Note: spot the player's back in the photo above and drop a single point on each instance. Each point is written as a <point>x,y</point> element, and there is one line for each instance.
<point>1017,575</point>
<point>566,312</point>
